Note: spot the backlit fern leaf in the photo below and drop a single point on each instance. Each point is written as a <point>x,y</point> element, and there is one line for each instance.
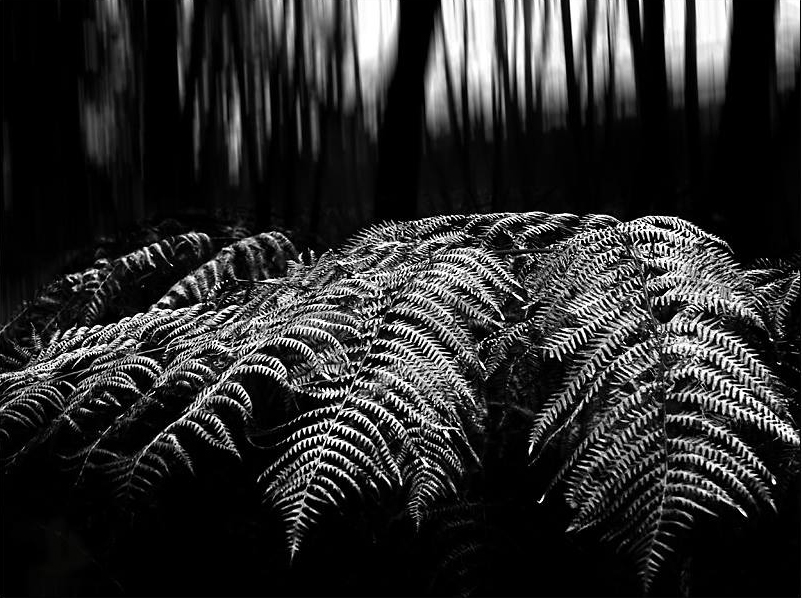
<point>777,298</point>
<point>369,365</point>
<point>396,416</point>
<point>168,255</point>
<point>645,317</point>
<point>254,258</point>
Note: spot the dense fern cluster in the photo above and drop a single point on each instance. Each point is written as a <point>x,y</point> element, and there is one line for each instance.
<point>364,374</point>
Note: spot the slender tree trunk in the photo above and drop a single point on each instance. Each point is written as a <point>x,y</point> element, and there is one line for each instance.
<point>571,85</point>
<point>297,113</point>
<point>654,172</point>
<point>400,133</point>
<point>655,109</point>
<point>636,41</point>
<point>466,114</point>
<point>211,158</point>
<point>577,166</point>
<point>46,205</point>
<point>277,82</point>
<point>192,82</point>
<point>694,137</point>
<point>326,121</point>
<point>451,96</point>
<point>542,61</point>
<point>590,40</point>
<point>528,91</point>
<point>499,193</point>
<point>253,174</point>
<point>357,122</point>
<point>744,161</point>
<point>511,121</point>
<point>162,110</point>
<point>609,95</point>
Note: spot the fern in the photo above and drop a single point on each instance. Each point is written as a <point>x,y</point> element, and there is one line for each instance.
<point>776,285</point>
<point>645,317</point>
<point>253,258</point>
<point>639,349</point>
<point>393,414</point>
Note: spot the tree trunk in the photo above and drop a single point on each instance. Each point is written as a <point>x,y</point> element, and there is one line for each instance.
<point>575,167</point>
<point>466,114</point>
<point>744,161</point>
<point>659,169</point>
<point>162,106</point>
<point>694,137</point>
<point>400,134</point>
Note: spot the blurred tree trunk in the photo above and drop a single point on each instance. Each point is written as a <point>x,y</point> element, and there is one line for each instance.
<point>695,168</point>
<point>576,167</point>
<point>571,85</point>
<point>297,126</point>
<point>609,94</point>
<point>528,49</point>
<point>451,96</point>
<point>162,108</point>
<point>46,206</point>
<point>744,160</point>
<point>400,133</point>
<point>648,55</point>
<point>655,108</point>
<point>238,17</point>
<point>211,157</point>
<point>357,122</point>
<point>590,41</point>
<point>278,92</point>
<point>543,58</point>
<point>510,123</point>
<point>327,119</point>
<point>466,114</point>
<point>192,82</point>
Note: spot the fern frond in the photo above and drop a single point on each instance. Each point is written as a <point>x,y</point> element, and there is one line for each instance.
<point>645,317</point>
<point>396,416</point>
<point>253,258</point>
<point>168,255</point>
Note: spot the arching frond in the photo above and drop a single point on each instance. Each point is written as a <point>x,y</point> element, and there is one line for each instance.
<point>396,416</point>
<point>647,319</point>
<point>254,258</point>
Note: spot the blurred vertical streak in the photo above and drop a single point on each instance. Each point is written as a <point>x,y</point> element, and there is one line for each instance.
<point>609,94</point>
<point>454,125</point>
<point>575,166</point>
<point>240,14</point>
<point>45,205</point>
<point>659,169</point>
<point>543,59</point>
<point>468,183</point>
<point>529,110</point>
<point>211,135</point>
<point>693,131</point>
<point>278,89</point>
<point>329,107</point>
<point>590,41</point>
<point>505,112</point>
<point>649,62</point>
<point>358,119</point>
<point>401,127</point>
<point>161,106</point>
<point>295,126</point>
<point>192,83</point>
<point>745,160</point>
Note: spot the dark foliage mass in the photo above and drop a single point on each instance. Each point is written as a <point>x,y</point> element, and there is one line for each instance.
<point>651,378</point>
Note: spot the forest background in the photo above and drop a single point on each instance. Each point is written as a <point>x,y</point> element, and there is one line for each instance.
<point>320,116</point>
